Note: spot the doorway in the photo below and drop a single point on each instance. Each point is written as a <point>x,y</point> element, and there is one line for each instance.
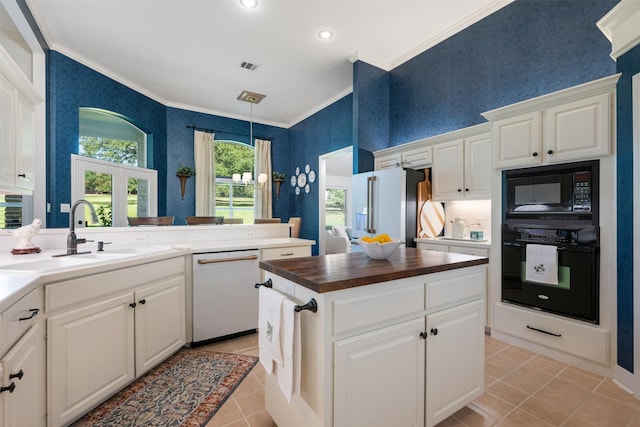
<point>335,170</point>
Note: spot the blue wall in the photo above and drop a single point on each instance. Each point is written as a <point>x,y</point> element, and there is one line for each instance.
<point>628,65</point>
<point>180,150</point>
<point>71,85</point>
<point>326,131</point>
<point>526,49</point>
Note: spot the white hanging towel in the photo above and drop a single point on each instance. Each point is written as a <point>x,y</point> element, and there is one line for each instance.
<point>288,373</point>
<point>269,325</point>
<point>542,264</point>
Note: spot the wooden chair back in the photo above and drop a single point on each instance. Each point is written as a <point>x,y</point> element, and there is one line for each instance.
<point>295,222</point>
<point>200,220</point>
<point>266,220</point>
<point>233,221</point>
<point>150,220</point>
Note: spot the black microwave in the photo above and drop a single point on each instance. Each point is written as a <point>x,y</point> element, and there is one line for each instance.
<point>555,194</point>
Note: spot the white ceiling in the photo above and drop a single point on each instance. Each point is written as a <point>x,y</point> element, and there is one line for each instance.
<point>187,53</point>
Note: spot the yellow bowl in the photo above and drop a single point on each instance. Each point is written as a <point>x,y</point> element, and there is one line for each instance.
<point>377,250</point>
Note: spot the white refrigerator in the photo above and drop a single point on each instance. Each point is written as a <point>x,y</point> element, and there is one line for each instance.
<point>385,201</point>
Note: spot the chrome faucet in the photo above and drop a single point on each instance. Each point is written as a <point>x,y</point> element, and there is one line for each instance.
<point>72,240</point>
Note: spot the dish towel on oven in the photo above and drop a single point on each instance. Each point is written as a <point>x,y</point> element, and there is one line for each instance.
<point>269,325</point>
<point>288,372</point>
<point>542,264</point>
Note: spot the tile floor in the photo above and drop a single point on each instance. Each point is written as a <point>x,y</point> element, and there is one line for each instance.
<point>523,389</point>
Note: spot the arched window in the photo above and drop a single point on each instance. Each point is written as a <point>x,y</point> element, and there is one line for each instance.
<point>234,199</point>
<point>110,169</point>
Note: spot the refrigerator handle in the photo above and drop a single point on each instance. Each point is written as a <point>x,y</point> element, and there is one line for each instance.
<point>370,204</point>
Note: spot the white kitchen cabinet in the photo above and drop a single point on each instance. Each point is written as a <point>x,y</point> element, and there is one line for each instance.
<point>365,394</point>
<point>461,169</point>
<point>455,359</point>
<point>22,363</point>
<point>366,357</point>
<point>17,131</point>
<point>402,156</point>
<point>284,252</point>
<point>133,318</point>
<point>572,124</point>
<point>23,381</point>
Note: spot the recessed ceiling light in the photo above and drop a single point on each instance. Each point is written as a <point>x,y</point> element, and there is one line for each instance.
<point>325,34</point>
<point>249,4</point>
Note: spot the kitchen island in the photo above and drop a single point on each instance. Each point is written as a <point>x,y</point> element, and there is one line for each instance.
<point>395,342</point>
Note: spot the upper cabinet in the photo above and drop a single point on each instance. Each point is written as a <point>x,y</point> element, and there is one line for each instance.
<point>459,170</point>
<point>414,155</point>
<point>572,124</point>
<point>18,98</point>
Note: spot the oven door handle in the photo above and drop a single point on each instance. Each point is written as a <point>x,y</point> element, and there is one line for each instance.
<point>514,244</point>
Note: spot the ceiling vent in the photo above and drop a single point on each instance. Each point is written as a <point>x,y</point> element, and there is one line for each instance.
<point>251,97</point>
<point>248,66</point>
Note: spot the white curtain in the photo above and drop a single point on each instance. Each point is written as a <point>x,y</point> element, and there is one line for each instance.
<point>204,155</point>
<point>262,207</point>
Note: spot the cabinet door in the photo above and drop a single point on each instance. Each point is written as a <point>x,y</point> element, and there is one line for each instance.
<point>388,162</point>
<point>448,170</point>
<point>160,323</point>
<point>477,167</point>
<point>417,158</point>
<point>469,251</point>
<point>90,356</point>
<point>24,367</point>
<point>455,359</point>
<point>579,130</point>
<point>518,141</point>
<point>379,378</point>
<point>25,138</point>
<point>7,136</point>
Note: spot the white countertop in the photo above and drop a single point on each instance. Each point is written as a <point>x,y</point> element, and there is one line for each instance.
<point>454,242</point>
<point>19,274</point>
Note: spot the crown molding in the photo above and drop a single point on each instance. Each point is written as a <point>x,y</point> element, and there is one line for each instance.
<point>622,27</point>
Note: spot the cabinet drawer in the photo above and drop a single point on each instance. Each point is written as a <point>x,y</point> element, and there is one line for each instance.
<point>21,315</point>
<point>469,251</point>
<point>432,247</point>
<point>71,292</point>
<point>445,290</point>
<point>360,311</point>
<point>288,252</point>
<point>582,340</point>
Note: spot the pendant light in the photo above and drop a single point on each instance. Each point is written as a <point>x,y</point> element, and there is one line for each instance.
<point>251,98</point>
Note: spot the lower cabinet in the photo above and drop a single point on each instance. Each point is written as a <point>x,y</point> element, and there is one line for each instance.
<point>22,401</point>
<point>96,346</point>
<point>365,394</point>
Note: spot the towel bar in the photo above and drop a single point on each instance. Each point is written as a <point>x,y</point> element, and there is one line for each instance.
<point>312,305</point>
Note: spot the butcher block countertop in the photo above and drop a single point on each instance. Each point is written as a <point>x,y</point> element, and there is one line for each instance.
<point>327,273</point>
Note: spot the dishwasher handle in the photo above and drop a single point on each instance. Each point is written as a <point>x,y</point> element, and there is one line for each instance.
<point>216,261</point>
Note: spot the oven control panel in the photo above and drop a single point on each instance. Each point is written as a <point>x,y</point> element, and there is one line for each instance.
<point>557,236</point>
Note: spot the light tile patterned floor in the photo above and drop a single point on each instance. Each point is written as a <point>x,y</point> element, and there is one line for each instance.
<point>523,389</point>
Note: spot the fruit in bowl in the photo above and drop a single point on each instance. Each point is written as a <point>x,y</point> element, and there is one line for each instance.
<point>379,247</point>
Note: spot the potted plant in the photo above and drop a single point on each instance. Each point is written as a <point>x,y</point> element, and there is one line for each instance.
<point>278,178</point>
<point>184,172</point>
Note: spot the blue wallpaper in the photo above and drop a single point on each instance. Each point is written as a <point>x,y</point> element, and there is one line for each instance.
<point>628,65</point>
<point>70,86</point>
<point>326,131</point>
<point>528,48</point>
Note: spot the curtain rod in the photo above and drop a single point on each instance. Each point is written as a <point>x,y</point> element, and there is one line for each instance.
<point>226,131</point>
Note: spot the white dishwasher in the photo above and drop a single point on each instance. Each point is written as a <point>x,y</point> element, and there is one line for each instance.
<point>225,301</point>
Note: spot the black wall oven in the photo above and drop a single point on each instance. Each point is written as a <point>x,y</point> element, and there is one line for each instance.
<point>576,293</point>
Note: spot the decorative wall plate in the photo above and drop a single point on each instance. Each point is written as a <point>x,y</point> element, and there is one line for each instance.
<point>302,180</point>
<point>294,181</point>
<point>312,177</point>
<point>297,171</point>
<point>307,188</point>
<point>297,190</point>
<point>307,168</point>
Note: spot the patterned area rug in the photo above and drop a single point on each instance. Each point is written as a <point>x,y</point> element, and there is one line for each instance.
<point>185,390</point>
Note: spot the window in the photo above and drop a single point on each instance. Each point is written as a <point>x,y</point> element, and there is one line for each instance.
<point>234,199</point>
<point>10,211</point>
<point>109,172</point>
<point>335,206</point>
